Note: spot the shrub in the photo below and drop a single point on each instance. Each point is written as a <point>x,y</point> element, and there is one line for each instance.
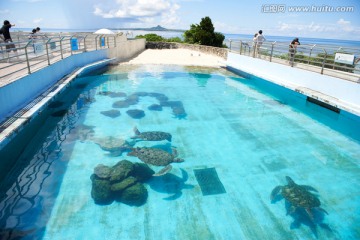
<point>151,37</point>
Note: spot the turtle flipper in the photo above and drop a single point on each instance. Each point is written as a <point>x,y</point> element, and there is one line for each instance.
<point>136,131</point>
<point>275,192</point>
<point>174,152</point>
<point>311,215</point>
<point>322,210</point>
<point>309,188</point>
<point>290,181</point>
<point>175,196</point>
<point>163,171</point>
<point>177,160</point>
<point>291,210</point>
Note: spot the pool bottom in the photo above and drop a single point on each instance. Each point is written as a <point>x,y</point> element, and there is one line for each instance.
<point>241,141</point>
<point>341,120</point>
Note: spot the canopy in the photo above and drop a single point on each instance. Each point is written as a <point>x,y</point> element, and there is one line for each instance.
<point>104,31</point>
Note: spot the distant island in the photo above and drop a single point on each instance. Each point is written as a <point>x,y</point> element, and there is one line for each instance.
<point>157,28</point>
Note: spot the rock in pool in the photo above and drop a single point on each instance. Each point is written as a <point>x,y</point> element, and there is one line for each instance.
<point>135,113</point>
<point>111,113</point>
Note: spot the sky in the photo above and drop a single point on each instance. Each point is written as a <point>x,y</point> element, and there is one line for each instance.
<point>333,19</point>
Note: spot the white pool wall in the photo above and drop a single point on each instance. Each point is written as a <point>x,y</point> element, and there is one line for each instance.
<point>335,91</point>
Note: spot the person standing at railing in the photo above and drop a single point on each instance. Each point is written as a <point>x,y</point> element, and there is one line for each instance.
<point>33,38</point>
<point>254,40</point>
<point>6,32</point>
<point>39,34</point>
<point>32,35</point>
<point>259,39</point>
<point>292,49</point>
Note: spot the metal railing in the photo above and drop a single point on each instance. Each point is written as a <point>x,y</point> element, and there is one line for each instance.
<point>30,55</point>
<point>317,58</point>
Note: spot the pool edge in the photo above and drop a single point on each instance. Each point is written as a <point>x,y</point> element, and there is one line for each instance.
<point>19,121</point>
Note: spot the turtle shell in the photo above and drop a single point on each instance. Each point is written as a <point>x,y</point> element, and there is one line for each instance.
<point>154,136</point>
<point>110,143</point>
<point>300,197</point>
<point>153,156</point>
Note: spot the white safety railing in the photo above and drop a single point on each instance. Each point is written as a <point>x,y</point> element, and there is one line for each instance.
<point>342,62</point>
<point>29,55</point>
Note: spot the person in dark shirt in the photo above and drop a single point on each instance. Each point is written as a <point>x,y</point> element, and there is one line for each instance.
<point>292,49</point>
<point>33,34</point>
<point>6,32</point>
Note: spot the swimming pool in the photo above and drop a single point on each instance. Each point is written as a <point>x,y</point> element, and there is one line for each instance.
<point>239,140</point>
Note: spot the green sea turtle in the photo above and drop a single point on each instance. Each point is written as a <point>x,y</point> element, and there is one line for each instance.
<point>151,135</point>
<point>116,146</point>
<point>156,157</point>
<point>299,196</point>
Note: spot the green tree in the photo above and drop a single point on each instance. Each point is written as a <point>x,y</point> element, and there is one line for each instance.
<point>204,34</point>
<point>151,37</point>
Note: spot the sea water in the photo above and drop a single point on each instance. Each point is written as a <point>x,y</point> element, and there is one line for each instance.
<point>244,138</point>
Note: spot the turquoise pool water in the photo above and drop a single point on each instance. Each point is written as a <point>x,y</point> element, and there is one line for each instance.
<point>244,137</point>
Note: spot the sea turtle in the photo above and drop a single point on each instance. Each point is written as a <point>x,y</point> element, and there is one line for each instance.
<point>156,157</point>
<point>152,135</point>
<point>298,196</point>
<point>116,146</point>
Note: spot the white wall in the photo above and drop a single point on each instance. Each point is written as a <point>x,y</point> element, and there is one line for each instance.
<point>342,93</point>
<point>127,49</point>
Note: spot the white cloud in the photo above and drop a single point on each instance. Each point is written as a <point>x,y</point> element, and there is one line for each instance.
<point>38,20</point>
<point>146,12</point>
<point>284,26</point>
<point>170,18</point>
<point>135,9</point>
<point>341,28</point>
<point>340,25</point>
<point>345,25</point>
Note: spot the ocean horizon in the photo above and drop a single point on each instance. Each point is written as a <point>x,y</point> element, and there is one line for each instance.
<point>228,36</point>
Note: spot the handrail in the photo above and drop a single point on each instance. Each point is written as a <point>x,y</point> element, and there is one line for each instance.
<point>27,57</point>
<point>30,55</point>
<point>47,50</point>
<point>323,63</point>
<point>313,57</point>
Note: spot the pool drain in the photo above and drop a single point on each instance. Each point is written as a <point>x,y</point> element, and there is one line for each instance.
<point>209,181</point>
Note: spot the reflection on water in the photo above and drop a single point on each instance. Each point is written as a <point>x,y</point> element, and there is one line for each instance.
<point>28,192</point>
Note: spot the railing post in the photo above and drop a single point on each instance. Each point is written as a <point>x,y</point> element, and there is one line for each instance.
<point>27,57</point>
<point>107,38</point>
<point>85,50</point>
<point>241,45</point>
<point>61,48</point>
<point>115,41</point>
<point>96,43</point>
<point>311,52</point>
<point>272,50</point>
<point>323,63</point>
<point>47,51</point>
<point>230,44</point>
<point>334,58</point>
